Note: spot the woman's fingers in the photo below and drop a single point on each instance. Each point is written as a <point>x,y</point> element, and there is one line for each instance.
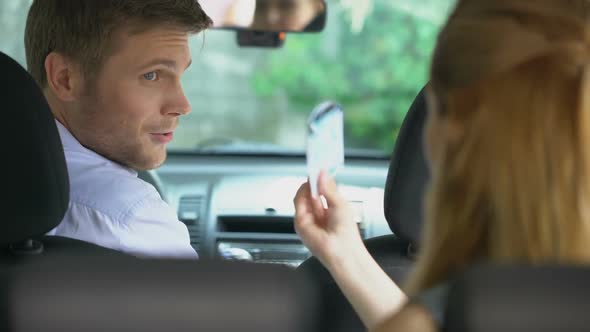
<point>302,199</point>
<point>329,189</point>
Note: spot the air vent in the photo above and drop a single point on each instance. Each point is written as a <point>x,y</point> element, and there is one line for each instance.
<point>190,212</point>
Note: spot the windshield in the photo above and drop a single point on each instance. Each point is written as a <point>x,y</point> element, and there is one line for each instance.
<point>372,59</point>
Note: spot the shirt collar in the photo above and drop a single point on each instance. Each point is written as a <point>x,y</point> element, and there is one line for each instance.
<point>71,144</point>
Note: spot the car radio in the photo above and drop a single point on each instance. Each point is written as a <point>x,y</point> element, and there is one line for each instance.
<point>285,253</point>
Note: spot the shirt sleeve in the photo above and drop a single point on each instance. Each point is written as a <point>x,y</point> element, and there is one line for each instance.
<point>151,229</point>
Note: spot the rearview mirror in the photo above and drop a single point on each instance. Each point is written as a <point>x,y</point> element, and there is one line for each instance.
<point>267,15</point>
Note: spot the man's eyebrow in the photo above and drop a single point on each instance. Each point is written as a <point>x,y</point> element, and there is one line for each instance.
<point>164,62</point>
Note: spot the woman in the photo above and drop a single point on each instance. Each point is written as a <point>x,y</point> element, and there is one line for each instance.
<point>508,143</point>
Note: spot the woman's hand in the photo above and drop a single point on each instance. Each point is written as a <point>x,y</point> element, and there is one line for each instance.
<point>330,233</point>
<point>333,237</point>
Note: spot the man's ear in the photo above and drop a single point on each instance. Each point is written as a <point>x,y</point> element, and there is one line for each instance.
<point>64,77</point>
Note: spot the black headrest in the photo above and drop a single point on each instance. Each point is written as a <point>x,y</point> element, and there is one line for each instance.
<point>408,176</point>
<point>33,168</point>
<point>513,298</point>
<point>97,293</point>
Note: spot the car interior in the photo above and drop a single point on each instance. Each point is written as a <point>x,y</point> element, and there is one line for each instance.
<point>235,196</point>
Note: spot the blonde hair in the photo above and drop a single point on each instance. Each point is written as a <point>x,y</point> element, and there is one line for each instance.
<point>513,186</point>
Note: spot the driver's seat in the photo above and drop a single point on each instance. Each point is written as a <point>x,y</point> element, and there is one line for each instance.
<point>34,168</point>
<point>60,284</point>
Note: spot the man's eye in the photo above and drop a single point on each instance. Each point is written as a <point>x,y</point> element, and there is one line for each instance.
<point>151,76</point>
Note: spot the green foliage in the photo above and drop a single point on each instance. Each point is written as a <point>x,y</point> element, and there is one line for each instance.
<point>374,74</point>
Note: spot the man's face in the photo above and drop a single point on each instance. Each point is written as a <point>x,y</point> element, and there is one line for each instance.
<point>130,111</point>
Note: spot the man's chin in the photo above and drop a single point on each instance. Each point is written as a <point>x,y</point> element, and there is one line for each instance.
<point>149,162</point>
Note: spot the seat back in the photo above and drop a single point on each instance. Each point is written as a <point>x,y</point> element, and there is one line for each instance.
<point>34,167</point>
<point>97,293</point>
<point>35,173</point>
<point>408,177</point>
<point>519,298</point>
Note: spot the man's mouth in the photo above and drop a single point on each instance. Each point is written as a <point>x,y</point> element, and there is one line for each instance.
<point>163,138</point>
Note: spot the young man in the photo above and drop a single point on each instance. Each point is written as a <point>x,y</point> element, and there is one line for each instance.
<point>110,70</point>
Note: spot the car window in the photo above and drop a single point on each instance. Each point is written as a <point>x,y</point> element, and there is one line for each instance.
<point>372,58</point>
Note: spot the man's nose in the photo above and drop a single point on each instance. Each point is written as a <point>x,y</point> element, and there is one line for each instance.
<point>178,103</point>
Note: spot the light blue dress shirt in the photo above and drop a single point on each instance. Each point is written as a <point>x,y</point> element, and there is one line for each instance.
<point>110,206</point>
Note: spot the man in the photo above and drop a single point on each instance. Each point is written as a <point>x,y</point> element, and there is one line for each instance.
<point>110,70</point>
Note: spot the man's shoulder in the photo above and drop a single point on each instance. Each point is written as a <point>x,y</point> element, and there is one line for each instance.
<point>112,191</point>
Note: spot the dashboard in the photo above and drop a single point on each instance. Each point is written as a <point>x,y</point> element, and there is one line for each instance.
<point>241,207</point>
